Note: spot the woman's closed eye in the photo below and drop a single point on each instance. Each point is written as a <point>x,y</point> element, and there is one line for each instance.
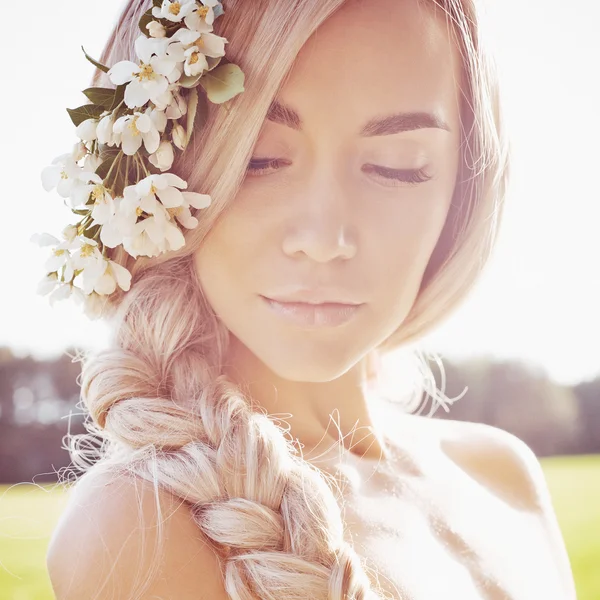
<point>260,166</point>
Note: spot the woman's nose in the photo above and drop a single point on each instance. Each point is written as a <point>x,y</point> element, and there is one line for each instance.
<point>321,224</point>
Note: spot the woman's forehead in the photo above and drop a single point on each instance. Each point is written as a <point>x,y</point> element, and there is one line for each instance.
<point>381,56</point>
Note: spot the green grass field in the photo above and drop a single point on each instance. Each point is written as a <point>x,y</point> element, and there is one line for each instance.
<point>28,514</point>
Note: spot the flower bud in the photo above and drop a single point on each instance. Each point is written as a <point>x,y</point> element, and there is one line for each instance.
<point>79,151</point>
<point>86,130</point>
<point>177,108</point>
<point>105,131</point>
<point>156,29</point>
<point>69,232</point>
<point>179,137</point>
<point>163,157</point>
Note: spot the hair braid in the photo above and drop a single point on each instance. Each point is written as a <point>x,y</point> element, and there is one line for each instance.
<point>271,516</point>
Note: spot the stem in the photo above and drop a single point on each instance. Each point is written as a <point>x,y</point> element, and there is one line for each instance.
<point>117,159</point>
<point>116,108</point>
<point>127,171</point>
<point>82,225</point>
<point>144,167</point>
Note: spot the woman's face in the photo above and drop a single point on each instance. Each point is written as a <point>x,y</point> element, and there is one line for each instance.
<point>328,214</point>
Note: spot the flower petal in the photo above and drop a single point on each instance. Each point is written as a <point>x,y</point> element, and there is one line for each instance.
<point>136,94</point>
<point>152,140</point>
<point>110,235</point>
<point>105,285</point>
<point>121,275</point>
<point>123,71</point>
<point>44,239</point>
<point>62,292</point>
<point>51,177</point>
<point>197,200</point>
<point>174,180</point>
<point>213,45</point>
<point>174,237</point>
<point>143,123</point>
<point>131,144</point>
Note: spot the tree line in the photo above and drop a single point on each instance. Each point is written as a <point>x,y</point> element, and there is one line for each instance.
<point>40,405</point>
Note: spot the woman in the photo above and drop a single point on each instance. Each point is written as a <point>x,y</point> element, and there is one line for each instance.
<point>384,224</point>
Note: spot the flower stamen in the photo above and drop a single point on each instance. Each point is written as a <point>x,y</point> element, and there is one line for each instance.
<point>87,250</point>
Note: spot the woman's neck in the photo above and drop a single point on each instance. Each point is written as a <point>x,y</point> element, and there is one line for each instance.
<point>321,415</point>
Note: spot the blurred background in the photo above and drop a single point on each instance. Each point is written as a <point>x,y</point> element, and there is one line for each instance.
<point>525,343</point>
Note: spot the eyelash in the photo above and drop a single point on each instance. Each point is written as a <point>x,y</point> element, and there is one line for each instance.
<point>410,176</point>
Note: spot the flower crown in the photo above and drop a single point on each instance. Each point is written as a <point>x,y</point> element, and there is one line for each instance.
<point>115,178</point>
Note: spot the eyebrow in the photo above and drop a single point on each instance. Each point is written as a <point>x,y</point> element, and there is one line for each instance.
<point>387,125</point>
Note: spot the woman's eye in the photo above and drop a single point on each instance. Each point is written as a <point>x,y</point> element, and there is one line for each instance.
<point>410,176</point>
<point>261,165</point>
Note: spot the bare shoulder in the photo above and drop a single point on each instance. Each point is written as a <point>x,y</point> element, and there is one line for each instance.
<point>106,545</point>
<point>505,463</point>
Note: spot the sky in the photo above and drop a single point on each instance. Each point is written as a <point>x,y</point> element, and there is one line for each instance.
<point>539,298</point>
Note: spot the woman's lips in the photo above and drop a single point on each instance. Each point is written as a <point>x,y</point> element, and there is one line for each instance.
<point>328,314</point>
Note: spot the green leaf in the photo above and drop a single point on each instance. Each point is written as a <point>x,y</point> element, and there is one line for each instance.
<point>102,170</point>
<point>147,17</point>
<point>81,114</point>
<point>189,81</point>
<point>119,95</point>
<point>223,83</point>
<point>157,3</point>
<point>103,97</point>
<point>213,61</point>
<point>95,62</point>
<point>218,10</point>
<point>191,113</point>
<point>107,152</point>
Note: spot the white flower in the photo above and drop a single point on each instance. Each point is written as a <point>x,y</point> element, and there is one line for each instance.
<point>60,257</point>
<point>206,43</point>
<point>58,290</point>
<point>203,17</point>
<point>105,131</point>
<point>69,233</point>
<point>81,190</point>
<point>156,233</point>
<point>158,118</point>
<point>194,62</point>
<point>87,258</point>
<point>79,151</point>
<point>177,107</point>
<point>64,174</point>
<point>93,305</point>
<point>156,29</point>
<point>63,291</point>
<point>118,225</point>
<point>179,136</point>
<point>104,205</point>
<point>174,11</point>
<point>134,129</point>
<point>163,158</point>
<point>47,284</point>
<point>198,47</point>
<point>91,162</point>
<point>114,274</point>
<point>163,233</point>
<point>165,99</point>
<point>86,130</point>
<point>151,191</point>
<point>149,79</point>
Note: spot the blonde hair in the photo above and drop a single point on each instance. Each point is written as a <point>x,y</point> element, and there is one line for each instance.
<point>157,398</point>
